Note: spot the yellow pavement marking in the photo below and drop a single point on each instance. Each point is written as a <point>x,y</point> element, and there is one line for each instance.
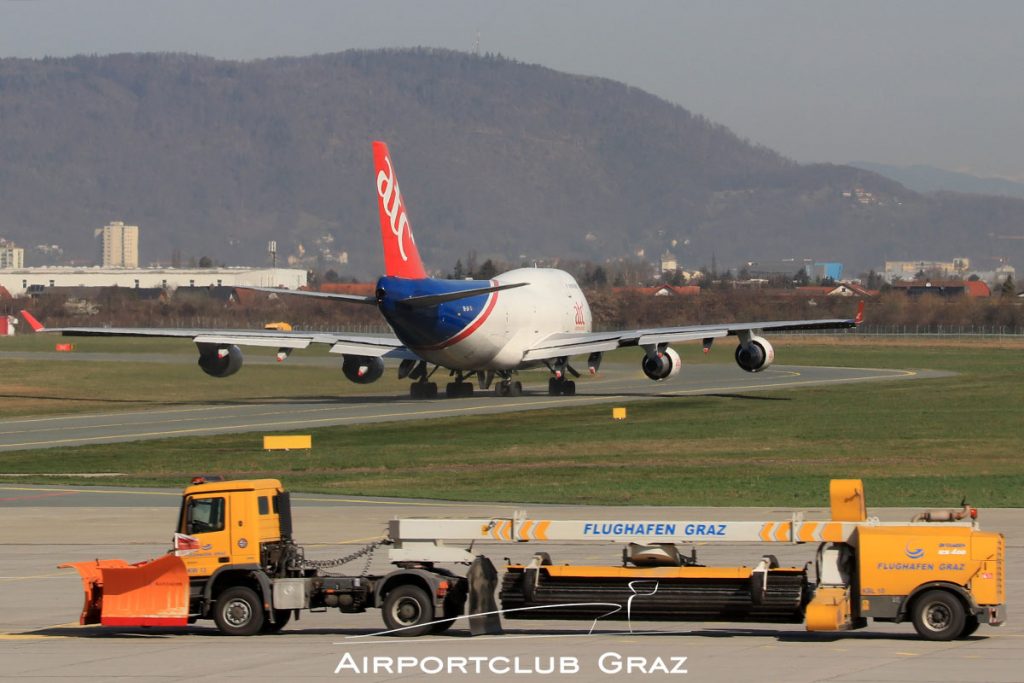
<point>326,498</point>
<point>94,416</point>
<point>346,542</point>
<point>895,373</point>
<point>450,411</point>
<point>90,490</point>
<point>39,576</point>
<point>34,635</point>
<point>291,422</point>
<point>26,636</point>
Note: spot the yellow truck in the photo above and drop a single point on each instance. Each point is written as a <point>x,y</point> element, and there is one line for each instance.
<point>235,562</point>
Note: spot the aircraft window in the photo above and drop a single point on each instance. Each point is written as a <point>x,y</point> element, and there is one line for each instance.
<point>205,515</point>
<point>264,505</point>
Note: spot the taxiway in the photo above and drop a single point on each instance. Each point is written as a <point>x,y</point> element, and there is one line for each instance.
<point>39,604</point>
<point>615,384</point>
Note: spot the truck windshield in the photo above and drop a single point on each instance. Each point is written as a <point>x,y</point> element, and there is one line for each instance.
<point>205,515</point>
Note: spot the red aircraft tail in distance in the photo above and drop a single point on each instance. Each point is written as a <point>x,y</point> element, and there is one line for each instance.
<point>401,258</point>
<point>859,318</point>
<point>31,320</point>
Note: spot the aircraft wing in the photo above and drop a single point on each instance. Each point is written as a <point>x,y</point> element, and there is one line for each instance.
<point>355,344</point>
<point>569,344</point>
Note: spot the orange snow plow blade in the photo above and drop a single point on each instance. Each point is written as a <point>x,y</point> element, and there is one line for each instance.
<point>153,593</point>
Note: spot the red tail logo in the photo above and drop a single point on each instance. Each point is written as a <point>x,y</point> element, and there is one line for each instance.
<point>401,258</point>
<point>32,322</point>
<point>860,314</point>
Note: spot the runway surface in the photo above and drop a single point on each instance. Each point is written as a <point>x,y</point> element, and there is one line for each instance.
<point>616,383</point>
<point>39,605</point>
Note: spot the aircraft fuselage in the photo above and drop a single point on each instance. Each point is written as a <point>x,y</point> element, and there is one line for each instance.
<point>486,332</point>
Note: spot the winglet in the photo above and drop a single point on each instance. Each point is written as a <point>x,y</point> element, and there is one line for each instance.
<point>32,322</point>
<point>401,258</point>
<point>859,318</point>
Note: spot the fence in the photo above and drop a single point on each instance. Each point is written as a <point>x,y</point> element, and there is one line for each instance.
<point>946,331</point>
<point>866,330</point>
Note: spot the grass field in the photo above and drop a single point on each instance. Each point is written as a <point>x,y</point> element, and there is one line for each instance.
<point>915,443</point>
<point>133,378</point>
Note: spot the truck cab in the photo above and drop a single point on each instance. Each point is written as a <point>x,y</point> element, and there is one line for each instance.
<point>246,572</point>
<point>231,522</point>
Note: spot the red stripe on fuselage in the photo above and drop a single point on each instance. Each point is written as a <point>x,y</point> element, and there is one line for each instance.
<point>469,329</point>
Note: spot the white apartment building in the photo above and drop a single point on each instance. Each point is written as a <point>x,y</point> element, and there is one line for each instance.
<point>119,245</point>
<point>11,256</point>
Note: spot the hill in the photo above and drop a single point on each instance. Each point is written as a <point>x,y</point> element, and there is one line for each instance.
<point>921,178</point>
<point>510,160</point>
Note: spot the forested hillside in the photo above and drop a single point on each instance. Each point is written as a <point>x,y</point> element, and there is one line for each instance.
<point>512,161</point>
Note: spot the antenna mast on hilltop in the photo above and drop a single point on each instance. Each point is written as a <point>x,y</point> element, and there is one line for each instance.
<point>476,44</point>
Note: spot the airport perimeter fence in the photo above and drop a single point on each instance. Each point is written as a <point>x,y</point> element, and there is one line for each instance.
<point>203,323</point>
<point>943,331</point>
<point>866,330</point>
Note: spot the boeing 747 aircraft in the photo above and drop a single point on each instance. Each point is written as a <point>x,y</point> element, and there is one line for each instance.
<point>482,330</point>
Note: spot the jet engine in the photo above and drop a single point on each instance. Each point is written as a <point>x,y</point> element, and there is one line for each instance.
<point>756,356</point>
<point>220,360</point>
<point>362,369</point>
<point>666,365</point>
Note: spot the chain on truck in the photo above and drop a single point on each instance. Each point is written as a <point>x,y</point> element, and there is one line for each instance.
<point>235,562</point>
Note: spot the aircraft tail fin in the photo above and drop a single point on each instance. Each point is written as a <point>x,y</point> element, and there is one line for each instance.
<point>401,258</point>
<point>32,322</point>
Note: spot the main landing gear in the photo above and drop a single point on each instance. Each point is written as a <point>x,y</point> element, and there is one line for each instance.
<point>561,387</point>
<point>508,387</point>
<point>460,388</point>
<point>423,389</point>
<point>417,370</point>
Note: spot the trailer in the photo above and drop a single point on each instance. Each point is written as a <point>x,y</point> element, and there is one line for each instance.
<point>939,570</point>
<point>234,561</point>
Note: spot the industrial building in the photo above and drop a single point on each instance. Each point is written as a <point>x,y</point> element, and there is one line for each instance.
<point>816,270</point>
<point>18,281</point>
<point>908,270</point>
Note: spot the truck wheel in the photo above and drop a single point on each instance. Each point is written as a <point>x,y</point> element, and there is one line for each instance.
<point>281,619</point>
<point>408,606</point>
<point>454,605</point>
<point>938,615</point>
<point>441,626</point>
<point>239,612</point>
<point>970,626</point>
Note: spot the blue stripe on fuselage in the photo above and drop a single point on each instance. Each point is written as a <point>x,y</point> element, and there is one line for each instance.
<point>428,326</point>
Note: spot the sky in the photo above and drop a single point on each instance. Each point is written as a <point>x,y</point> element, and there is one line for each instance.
<point>899,82</point>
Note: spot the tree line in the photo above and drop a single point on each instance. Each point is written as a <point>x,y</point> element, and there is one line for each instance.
<point>612,308</point>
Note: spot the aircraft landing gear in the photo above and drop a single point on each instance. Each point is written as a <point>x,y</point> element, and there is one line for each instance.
<point>419,390</point>
<point>417,370</point>
<point>561,387</point>
<point>460,388</point>
<point>509,388</point>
